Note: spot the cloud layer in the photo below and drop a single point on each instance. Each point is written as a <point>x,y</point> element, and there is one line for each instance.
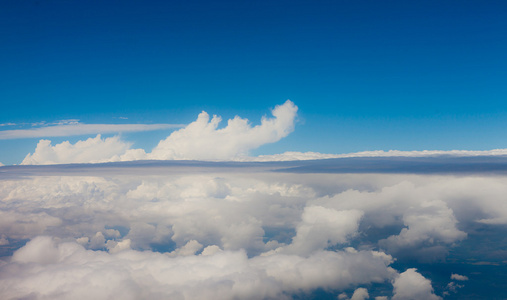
<point>179,232</point>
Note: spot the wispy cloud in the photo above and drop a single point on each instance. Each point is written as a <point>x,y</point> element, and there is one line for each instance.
<point>66,128</point>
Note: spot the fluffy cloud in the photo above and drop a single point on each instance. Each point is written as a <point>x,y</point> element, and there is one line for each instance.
<point>427,226</point>
<point>412,285</point>
<point>45,268</point>
<point>280,229</point>
<point>459,277</point>
<point>323,227</point>
<point>203,140</point>
<point>360,294</point>
<point>92,150</point>
<point>200,140</point>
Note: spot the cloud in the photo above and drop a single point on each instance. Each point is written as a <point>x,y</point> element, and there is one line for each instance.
<point>200,140</point>
<point>323,227</point>
<point>360,294</point>
<point>203,140</point>
<point>459,277</point>
<point>47,268</point>
<point>427,225</point>
<point>412,285</point>
<point>294,155</point>
<point>73,128</point>
<point>279,233</point>
<point>92,150</point>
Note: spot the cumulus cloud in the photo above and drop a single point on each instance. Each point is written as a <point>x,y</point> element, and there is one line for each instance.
<point>243,230</point>
<point>323,227</point>
<point>412,285</point>
<point>360,294</point>
<point>92,150</point>
<point>203,140</point>
<point>459,277</point>
<point>73,128</point>
<point>46,268</point>
<point>200,140</point>
<point>430,223</point>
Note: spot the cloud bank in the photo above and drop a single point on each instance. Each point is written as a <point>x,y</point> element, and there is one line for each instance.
<point>179,232</point>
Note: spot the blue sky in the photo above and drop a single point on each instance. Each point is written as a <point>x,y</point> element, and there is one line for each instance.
<point>366,75</point>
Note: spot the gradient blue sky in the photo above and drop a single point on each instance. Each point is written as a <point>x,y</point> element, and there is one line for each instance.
<point>366,75</point>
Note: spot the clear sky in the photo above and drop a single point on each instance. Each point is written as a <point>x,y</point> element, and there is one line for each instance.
<point>366,75</point>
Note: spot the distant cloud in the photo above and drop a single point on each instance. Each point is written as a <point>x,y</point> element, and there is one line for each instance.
<point>291,155</point>
<point>412,285</point>
<point>92,150</point>
<point>200,140</point>
<point>459,277</point>
<point>360,294</point>
<point>73,128</point>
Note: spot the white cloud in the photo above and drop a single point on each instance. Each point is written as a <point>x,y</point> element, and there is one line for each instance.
<point>92,150</point>
<point>203,140</point>
<point>459,277</point>
<point>73,128</point>
<point>360,294</point>
<point>294,155</point>
<point>323,227</point>
<point>430,223</point>
<point>412,285</point>
<point>200,140</point>
<point>284,225</point>
<point>46,268</point>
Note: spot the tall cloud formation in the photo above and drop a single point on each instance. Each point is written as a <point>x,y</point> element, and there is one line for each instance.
<point>203,140</point>
<point>200,140</point>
